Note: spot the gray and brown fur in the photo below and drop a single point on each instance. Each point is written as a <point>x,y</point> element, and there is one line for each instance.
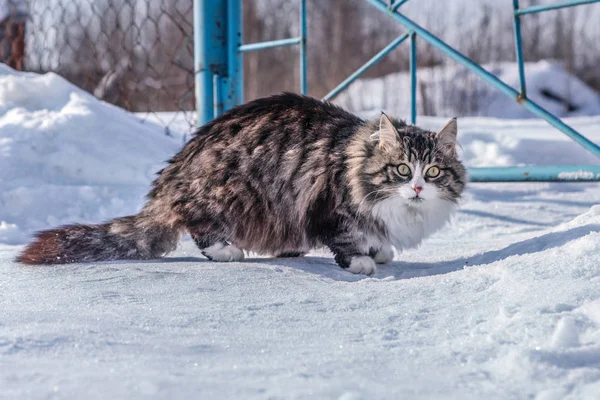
<point>278,175</point>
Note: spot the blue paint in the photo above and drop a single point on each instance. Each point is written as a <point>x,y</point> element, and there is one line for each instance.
<point>210,54</point>
<point>303,53</point>
<point>374,60</point>
<point>555,6</point>
<point>413,79</point>
<point>270,44</point>
<point>569,173</point>
<point>519,48</point>
<point>232,87</point>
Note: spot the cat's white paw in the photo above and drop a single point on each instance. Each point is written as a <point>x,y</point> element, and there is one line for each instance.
<point>384,255</point>
<point>362,265</point>
<point>221,252</point>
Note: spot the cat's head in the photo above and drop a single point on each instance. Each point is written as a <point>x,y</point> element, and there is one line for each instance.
<point>414,166</point>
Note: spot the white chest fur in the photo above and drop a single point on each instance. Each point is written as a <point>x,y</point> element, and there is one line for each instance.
<point>407,224</point>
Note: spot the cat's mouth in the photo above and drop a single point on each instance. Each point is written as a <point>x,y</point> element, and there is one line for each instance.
<point>416,199</point>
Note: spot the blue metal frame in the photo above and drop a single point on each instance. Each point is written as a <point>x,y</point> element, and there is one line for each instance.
<point>519,49</point>
<point>270,44</point>
<point>219,82</point>
<point>303,75</point>
<point>209,56</point>
<point>396,4</point>
<point>570,173</point>
<point>413,78</point>
<point>555,6</point>
<point>232,87</point>
<point>374,60</point>
<point>218,50</point>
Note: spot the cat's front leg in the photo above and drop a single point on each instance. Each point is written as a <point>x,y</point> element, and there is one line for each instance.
<point>362,265</point>
<point>349,256</point>
<point>382,254</point>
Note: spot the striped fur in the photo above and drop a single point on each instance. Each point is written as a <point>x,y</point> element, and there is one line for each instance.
<point>279,175</point>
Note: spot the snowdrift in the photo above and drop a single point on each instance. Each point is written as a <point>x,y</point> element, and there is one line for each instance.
<point>65,156</point>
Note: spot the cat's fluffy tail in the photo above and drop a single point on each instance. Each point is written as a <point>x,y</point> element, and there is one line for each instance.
<point>137,237</point>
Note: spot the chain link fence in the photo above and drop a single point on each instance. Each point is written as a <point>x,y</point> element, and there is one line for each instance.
<point>136,54</point>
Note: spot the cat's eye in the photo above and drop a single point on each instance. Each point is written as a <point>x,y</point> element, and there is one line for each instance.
<point>403,170</point>
<point>433,172</point>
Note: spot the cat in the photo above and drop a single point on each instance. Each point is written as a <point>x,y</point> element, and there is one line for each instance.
<point>282,175</point>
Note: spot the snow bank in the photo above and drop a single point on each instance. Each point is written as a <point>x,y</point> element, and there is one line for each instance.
<point>452,90</point>
<point>64,155</point>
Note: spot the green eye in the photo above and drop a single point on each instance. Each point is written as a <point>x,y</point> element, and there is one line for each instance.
<point>433,172</point>
<point>403,170</point>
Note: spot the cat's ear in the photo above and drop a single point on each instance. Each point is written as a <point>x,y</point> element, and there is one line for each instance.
<point>387,135</point>
<point>446,137</point>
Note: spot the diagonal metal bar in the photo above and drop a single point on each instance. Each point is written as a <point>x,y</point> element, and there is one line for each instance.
<point>488,77</point>
<point>374,60</point>
<point>555,6</point>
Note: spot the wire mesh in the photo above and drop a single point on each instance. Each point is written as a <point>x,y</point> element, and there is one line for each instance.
<point>136,54</point>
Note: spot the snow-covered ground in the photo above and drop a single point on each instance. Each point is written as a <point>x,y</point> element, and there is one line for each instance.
<point>502,304</point>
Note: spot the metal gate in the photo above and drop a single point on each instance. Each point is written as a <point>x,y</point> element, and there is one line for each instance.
<point>219,47</point>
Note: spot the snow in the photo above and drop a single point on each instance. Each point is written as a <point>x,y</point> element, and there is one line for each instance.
<point>503,303</point>
<point>49,158</point>
<point>452,90</point>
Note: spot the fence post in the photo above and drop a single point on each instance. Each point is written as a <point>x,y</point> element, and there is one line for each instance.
<point>232,86</point>
<point>303,76</point>
<point>210,56</point>
<point>519,49</point>
<point>413,78</point>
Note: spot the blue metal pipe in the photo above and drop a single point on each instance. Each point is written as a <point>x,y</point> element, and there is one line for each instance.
<point>374,60</point>
<point>488,77</point>
<point>555,6</point>
<point>519,49</point>
<point>210,53</point>
<point>303,53</point>
<point>232,87</point>
<point>270,44</point>
<point>569,173</point>
<point>413,78</point>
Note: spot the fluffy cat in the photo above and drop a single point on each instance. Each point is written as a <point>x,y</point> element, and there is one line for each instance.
<point>282,175</point>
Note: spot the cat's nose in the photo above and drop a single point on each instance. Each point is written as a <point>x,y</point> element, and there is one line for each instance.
<point>418,189</point>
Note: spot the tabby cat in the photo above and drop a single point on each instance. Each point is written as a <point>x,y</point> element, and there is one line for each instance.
<point>282,175</point>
